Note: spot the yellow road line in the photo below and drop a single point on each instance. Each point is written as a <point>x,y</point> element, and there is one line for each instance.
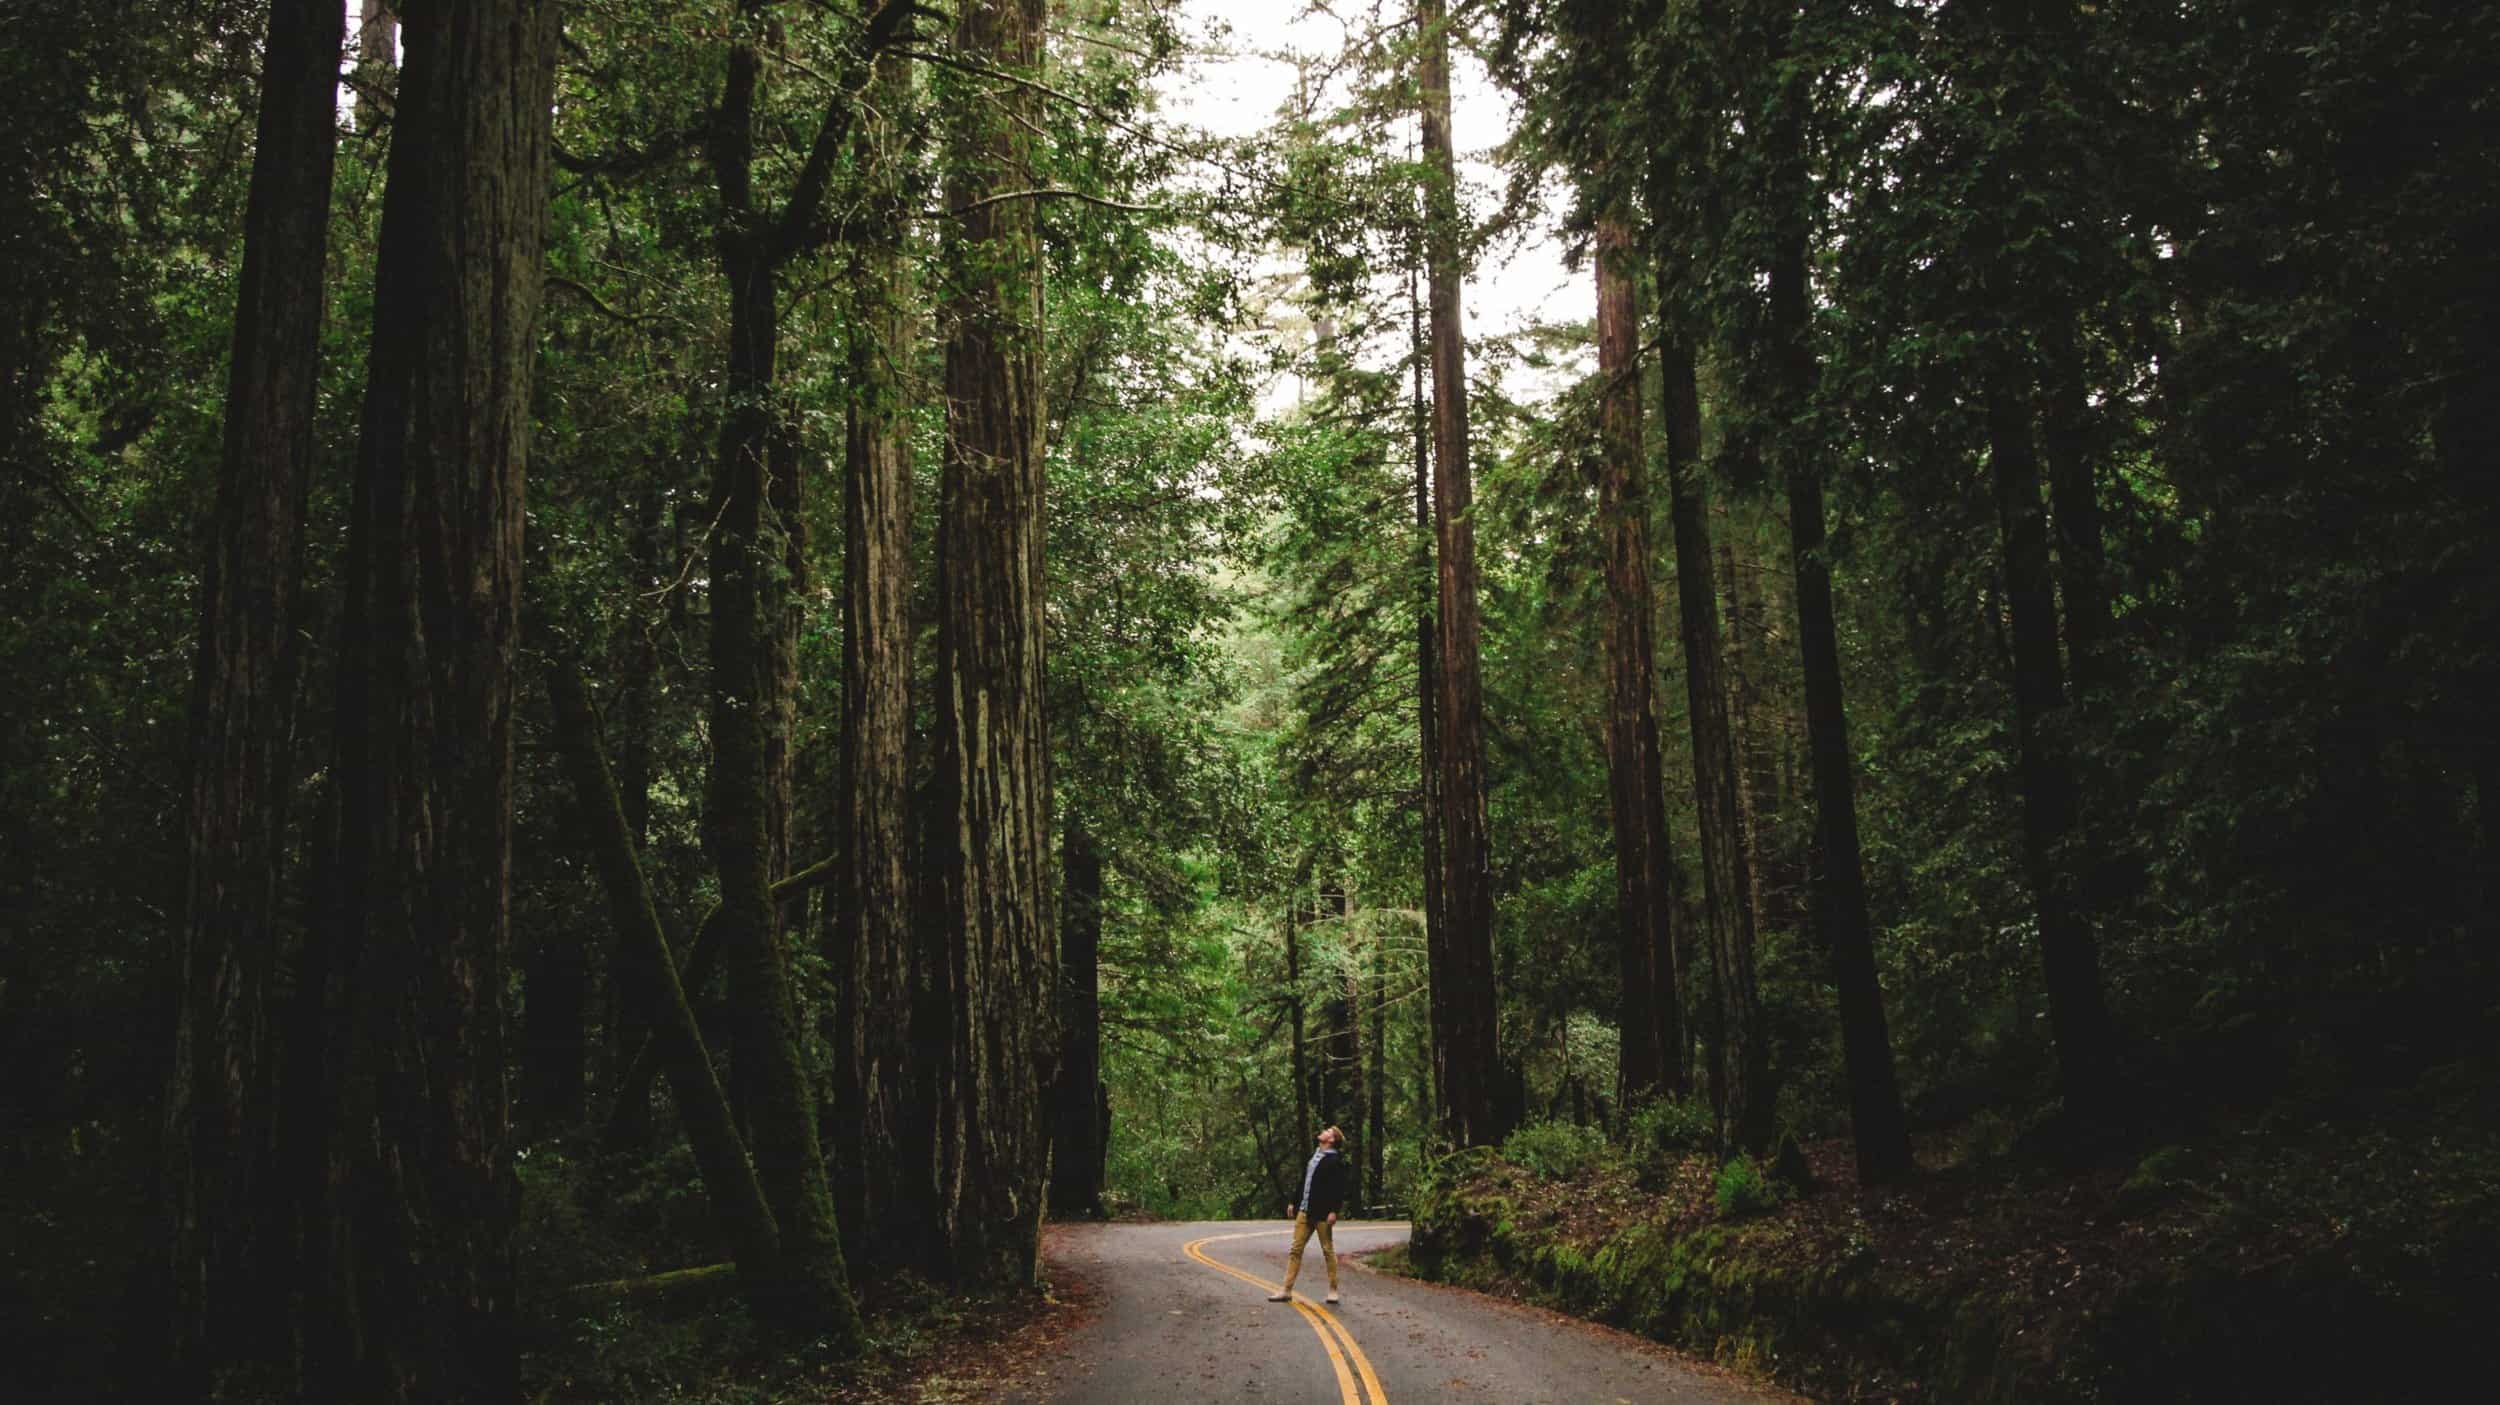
<point>1325,1323</point>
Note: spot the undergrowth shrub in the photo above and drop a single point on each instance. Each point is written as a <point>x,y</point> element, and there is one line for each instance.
<point>1556,1151</point>
<point>1744,1189</point>
<point>1669,1127</point>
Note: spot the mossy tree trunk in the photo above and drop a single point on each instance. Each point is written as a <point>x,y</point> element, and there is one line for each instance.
<point>645,966</point>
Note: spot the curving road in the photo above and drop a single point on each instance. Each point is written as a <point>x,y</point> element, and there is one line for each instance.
<point>1182,1316</point>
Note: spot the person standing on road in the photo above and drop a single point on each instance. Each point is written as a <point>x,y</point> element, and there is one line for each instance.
<point>1323,1194</point>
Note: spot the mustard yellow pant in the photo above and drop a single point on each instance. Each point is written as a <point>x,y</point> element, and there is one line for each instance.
<point>1302,1228</point>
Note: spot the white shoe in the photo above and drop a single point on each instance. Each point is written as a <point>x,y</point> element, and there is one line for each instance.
<point>1280,1297</point>
<point>1332,1297</point>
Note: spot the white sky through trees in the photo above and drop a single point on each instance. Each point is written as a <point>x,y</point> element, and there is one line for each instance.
<point>1235,80</point>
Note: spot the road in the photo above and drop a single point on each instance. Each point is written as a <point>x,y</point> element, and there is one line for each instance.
<point>1181,1316</point>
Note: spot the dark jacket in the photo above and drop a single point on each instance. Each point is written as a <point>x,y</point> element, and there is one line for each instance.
<point>1328,1185</point>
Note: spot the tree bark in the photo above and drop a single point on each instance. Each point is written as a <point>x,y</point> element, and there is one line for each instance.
<point>1296,1051</point>
<point>1076,1161</point>
<point>2069,950</point>
<point>645,966</point>
<point>1646,899</point>
<point>1838,878</point>
<point>1746,1095</point>
<point>221,1231</point>
<point>1438,1015</point>
<point>889,1172</point>
<point>992,821</point>
<point>1471,1100</point>
<point>2074,496</point>
<point>413,1298</point>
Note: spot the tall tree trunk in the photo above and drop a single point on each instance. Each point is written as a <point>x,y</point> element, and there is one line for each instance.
<point>1376,1082</point>
<point>1438,1017</point>
<point>1296,1052</point>
<point>746,804</point>
<point>1471,1084</point>
<point>2068,948</point>
<point>1646,905</point>
<point>889,1170</point>
<point>2074,495</point>
<point>992,825</point>
<point>1838,878</point>
<point>220,1231</point>
<point>1746,1096</point>
<point>1076,1159</point>
<point>414,1239</point>
<point>643,963</point>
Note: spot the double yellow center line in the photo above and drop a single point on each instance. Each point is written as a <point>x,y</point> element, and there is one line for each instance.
<point>1343,1354</point>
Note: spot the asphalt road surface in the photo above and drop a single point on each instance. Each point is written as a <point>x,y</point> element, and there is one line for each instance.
<point>1182,1318</point>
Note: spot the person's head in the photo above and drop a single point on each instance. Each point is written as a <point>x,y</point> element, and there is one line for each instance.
<point>1330,1137</point>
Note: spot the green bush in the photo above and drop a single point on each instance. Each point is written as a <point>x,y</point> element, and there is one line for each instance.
<point>1556,1151</point>
<point>1744,1190</point>
<point>1668,1127</point>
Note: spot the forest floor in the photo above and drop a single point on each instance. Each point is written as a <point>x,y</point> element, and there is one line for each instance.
<point>925,1347</point>
<point>2341,1254</point>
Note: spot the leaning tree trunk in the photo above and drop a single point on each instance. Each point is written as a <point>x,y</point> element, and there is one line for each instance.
<point>888,1171</point>
<point>1471,1085</point>
<point>1076,1158</point>
<point>644,965</point>
<point>221,1231</point>
<point>414,1295</point>
<point>2069,952</point>
<point>991,829</point>
<point>1646,901</point>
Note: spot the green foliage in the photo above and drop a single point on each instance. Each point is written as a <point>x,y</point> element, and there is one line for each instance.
<point>1745,1189</point>
<point>1557,1151</point>
<point>1668,1127</point>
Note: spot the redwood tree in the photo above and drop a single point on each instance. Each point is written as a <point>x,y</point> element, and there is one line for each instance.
<point>222,1227</point>
<point>412,1295</point>
<point>1467,1040</point>
<point>991,824</point>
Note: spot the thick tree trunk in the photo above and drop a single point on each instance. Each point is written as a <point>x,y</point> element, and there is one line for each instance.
<point>1746,1095</point>
<point>555,1016</point>
<point>888,1166</point>
<point>1471,1085</point>
<point>644,965</point>
<point>1438,1017</point>
<point>1076,1159</point>
<point>990,844</point>
<point>413,1299</point>
<point>1646,899</point>
<point>2069,950</point>
<point>220,1229</point>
